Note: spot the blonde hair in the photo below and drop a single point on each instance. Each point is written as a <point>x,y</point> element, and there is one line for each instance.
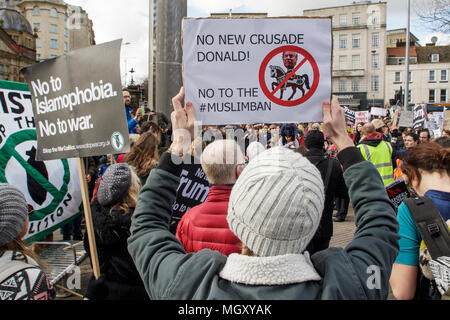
<point>130,199</point>
<point>18,245</point>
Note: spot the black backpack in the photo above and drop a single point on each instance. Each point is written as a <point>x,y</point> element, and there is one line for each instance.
<point>436,236</point>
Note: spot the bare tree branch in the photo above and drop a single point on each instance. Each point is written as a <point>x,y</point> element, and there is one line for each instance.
<point>435,14</point>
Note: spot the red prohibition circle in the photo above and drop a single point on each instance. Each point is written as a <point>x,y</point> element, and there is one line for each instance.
<point>270,95</point>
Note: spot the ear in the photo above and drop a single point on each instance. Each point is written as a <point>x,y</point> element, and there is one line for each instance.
<point>239,170</point>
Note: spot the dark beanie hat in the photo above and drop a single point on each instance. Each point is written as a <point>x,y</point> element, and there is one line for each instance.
<point>114,184</point>
<point>314,139</point>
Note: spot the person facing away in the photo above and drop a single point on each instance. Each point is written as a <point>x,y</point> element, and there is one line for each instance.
<point>379,152</point>
<point>111,216</point>
<point>274,209</point>
<point>331,173</point>
<point>144,155</point>
<point>427,170</point>
<point>21,275</point>
<point>205,226</point>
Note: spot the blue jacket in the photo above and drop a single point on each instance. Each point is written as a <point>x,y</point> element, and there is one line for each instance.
<point>131,122</point>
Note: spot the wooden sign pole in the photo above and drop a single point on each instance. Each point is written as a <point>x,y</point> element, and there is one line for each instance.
<point>88,219</point>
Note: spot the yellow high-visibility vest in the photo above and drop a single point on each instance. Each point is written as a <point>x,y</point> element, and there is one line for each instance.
<point>381,157</point>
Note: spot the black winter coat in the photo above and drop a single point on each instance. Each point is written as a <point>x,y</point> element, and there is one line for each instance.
<point>120,280</point>
<point>336,188</point>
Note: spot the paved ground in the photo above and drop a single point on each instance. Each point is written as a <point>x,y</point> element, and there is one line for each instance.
<point>343,234</point>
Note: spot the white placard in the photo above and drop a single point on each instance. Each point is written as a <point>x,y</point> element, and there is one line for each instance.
<point>235,71</point>
<point>378,111</point>
<point>362,116</point>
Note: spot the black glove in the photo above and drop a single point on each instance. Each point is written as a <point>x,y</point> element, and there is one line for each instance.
<point>97,289</point>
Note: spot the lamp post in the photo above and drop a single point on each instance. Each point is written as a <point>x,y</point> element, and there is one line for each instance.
<point>406,99</point>
<point>126,72</point>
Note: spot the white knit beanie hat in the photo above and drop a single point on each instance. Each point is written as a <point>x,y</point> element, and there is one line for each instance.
<point>276,204</point>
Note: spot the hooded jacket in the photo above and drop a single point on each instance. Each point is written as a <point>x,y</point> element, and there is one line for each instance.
<point>335,273</point>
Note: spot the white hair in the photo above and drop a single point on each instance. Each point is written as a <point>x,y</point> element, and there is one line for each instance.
<point>220,159</point>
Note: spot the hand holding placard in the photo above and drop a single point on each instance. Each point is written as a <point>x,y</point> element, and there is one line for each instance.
<point>334,124</point>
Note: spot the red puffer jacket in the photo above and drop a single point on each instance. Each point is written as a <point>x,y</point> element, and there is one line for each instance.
<point>205,226</point>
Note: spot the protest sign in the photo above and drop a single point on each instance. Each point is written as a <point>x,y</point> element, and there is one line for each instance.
<point>435,123</point>
<point>397,192</point>
<point>52,188</point>
<point>381,112</point>
<point>192,190</point>
<point>78,104</point>
<point>419,117</point>
<point>406,119</point>
<point>362,116</point>
<point>349,115</point>
<point>239,71</point>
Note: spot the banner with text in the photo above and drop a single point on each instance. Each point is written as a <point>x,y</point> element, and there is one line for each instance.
<point>51,188</point>
<point>78,104</point>
<point>239,71</point>
<point>362,117</point>
<point>419,117</point>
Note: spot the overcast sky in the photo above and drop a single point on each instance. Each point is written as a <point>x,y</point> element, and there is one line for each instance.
<point>116,19</point>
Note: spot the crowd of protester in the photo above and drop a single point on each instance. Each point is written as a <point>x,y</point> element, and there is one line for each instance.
<point>265,228</point>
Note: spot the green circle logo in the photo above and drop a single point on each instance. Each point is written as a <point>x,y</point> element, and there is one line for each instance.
<point>9,151</point>
<point>117,141</point>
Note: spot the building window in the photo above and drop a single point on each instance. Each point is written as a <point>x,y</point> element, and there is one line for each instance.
<point>65,32</point>
<point>343,19</point>
<point>443,95</point>
<point>53,28</point>
<point>356,41</point>
<point>435,57</point>
<point>444,75</point>
<point>1,68</point>
<point>342,62</point>
<point>374,83</point>
<point>375,40</point>
<point>38,57</point>
<point>410,76</point>
<point>342,85</point>
<point>65,46</point>
<point>38,43</point>
<point>398,76</point>
<point>54,44</point>
<point>432,95</point>
<point>342,41</point>
<point>16,39</point>
<point>432,76</point>
<point>355,85</point>
<point>53,12</point>
<point>356,61</point>
<point>36,11</point>
<point>37,26</point>
<point>356,18</point>
<point>393,41</point>
<point>375,61</point>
